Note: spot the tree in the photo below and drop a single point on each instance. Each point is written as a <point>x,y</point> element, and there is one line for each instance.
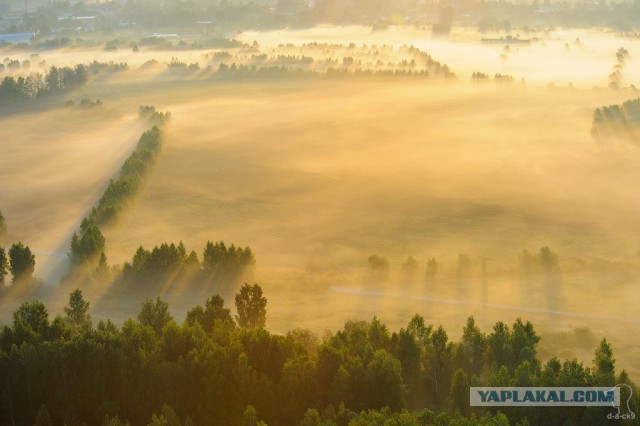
<point>251,307</point>
<point>3,228</point>
<point>76,312</point>
<point>432,270</point>
<point>4,266</point>
<point>155,315</point>
<point>384,382</point>
<point>22,262</point>
<point>548,259</point>
<point>410,269</point>
<point>88,245</point>
<point>31,318</point>
<point>379,266</point>
<point>473,347</point>
<point>438,356</point>
<point>459,392</point>
<point>102,272</point>
<point>214,311</point>
<point>604,365</point>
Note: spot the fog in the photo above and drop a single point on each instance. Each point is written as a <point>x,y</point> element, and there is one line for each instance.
<point>316,175</point>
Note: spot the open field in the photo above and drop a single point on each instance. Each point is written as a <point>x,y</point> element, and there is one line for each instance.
<point>316,175</point>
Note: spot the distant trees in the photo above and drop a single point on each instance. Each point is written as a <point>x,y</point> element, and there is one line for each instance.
<point>546,260</point>
<point>4,266</point>
<point>410,269</point>
<point>127,184</point>
<point>221,263</point>
<point>88,245</point>
<point>432,270</point>
<point>463,267</point>
<point>617,121</point>
<point>479,76</point>
<point>31,321</point>
<point>379,267</point>
<point>156,117</point>
<point>54,82</point>
<point>3,228</point>
<point>251,307</point>
<point>22,262</point>
<point>170,266</point>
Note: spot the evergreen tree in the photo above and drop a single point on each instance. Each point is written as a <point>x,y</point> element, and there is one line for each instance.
<point>22,262</point>
<point>251,307</point>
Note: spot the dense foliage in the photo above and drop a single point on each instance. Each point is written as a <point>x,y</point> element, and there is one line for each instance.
<point>211,369</point>
<point>89,243</point>
<point>55,81</point>
<point>168,267</point>
<point>617,121</point>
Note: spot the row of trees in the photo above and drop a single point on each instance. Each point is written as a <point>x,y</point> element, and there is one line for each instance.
<point>89,244</point>
<point>18,260</point>
<point>224,369</point>
<point>545,261</point>
<point>54,82</point>
<point>166,265</point>
<point>617,121</point>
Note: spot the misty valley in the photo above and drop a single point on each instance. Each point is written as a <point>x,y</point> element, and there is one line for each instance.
<point>337,221</point>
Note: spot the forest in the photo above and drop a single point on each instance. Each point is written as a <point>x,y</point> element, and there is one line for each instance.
<point>224,369</point>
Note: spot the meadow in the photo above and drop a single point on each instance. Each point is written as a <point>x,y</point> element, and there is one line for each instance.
<point>317,173</point>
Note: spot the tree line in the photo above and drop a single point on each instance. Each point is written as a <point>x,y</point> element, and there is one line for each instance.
<point>220,368</point>
<point>56,81</point>
<point>89,243</point>
<point>617,121</point>
<point>169,265</point>
<point>17,260</point>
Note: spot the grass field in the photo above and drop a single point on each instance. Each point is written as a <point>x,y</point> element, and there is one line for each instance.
<point>315,175</point>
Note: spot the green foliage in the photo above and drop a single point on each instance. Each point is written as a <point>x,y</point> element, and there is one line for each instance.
<point>22,262</point>
<point>226,264</point>
<point>3,228</point>
<point>55,82</point>
<point>122,189</point>
<point>213,312</point>
<point>155,315</point>
<point>251,307</point>
<point>157,118</point>
<point>168,264</point>
<point>604,365</point>
<point>459,392</point>
<point>30,322</point>
<point>4,266</point>
<point>154,371</point>
<point>88,245</point>
<point>77,312</point>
